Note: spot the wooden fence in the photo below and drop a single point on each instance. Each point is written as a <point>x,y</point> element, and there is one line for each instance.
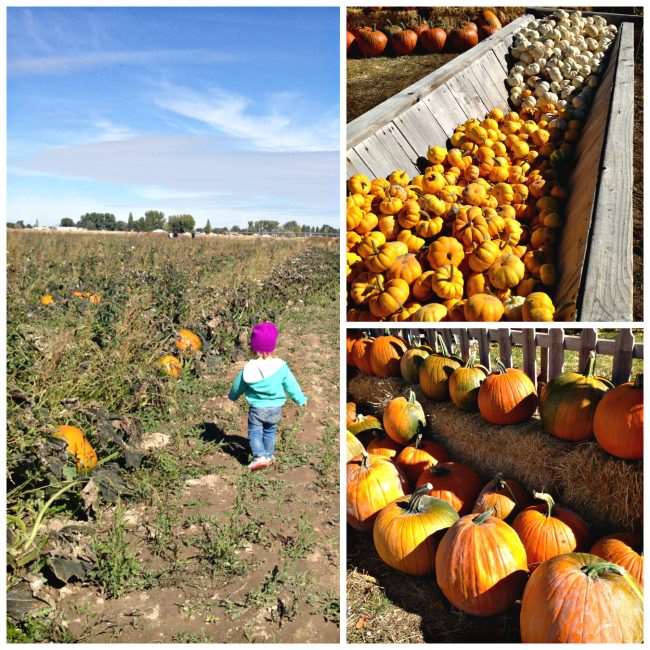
<point>552,343</point>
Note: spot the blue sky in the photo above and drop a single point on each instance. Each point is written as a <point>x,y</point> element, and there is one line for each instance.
<point>229,114</point>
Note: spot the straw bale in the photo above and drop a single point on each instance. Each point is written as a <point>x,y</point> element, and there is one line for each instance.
<point>606,491</point>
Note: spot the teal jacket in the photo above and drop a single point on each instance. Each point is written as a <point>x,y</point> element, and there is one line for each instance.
<point>266,383</point>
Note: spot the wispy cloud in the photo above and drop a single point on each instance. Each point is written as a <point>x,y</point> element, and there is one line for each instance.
<point>156,193</point>
<point>281,128</point>
<point>75,62</point>
<point>107,131</point>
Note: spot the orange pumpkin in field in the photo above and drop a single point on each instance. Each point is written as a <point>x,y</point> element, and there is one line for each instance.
<point>188,341</point>
<point>385,355</point>
<point>618,421</point>
<point>170,366</point>
<point>372,483</point>
<point>507,396</point>
<point>78,446</point>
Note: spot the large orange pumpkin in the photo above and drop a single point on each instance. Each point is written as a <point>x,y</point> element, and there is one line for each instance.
<point>505,496</point>
<point>384,446</point>
<point>618,421</point>
<point>404,418</point>
<point>372,483</point>
<point>569,403</point>
<point>624,549</point>
<point>548,530</point>
<point>404,533</point>
<point>385,355</point>
<point>420,455</point>
<point>78,446</point>
<point>507,396</point>
<point>579,598</point>
<point>481,565</point>
<point>453,482</point>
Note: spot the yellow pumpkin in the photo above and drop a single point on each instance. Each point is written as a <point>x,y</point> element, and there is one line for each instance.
<point>507,271</point>
<point>538,306</point>
<point>78,446</point>
<point>431,313</point>
<point>359,184</point>
<point>47,299</point>
<point>188,341</point>
<point>170,366</point>
<point>445,250</point>
<point>391,296</point>
<point>483,307</point>
<point>447,282</point>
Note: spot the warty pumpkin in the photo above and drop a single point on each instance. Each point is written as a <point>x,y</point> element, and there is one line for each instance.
<point>547,530</point>
<point>579,598</point>
<point>481,565</point>
<point>405,532</point>
<point>372,483</point>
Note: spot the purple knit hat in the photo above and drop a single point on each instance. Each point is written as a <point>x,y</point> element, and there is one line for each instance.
<point>264,337</point>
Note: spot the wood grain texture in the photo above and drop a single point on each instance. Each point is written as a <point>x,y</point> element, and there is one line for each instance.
<point>608,283</point>
<point>622,365</point>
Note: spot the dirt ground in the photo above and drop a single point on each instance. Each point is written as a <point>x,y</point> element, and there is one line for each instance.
<point>284,587</point>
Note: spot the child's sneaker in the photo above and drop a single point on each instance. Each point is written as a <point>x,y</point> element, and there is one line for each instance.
<point>258,463</point>
<point>270,459</point>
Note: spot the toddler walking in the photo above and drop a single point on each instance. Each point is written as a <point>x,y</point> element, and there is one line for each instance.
<point>265,382</point>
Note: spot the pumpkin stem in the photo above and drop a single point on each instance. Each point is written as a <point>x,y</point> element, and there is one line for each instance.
<point>501,368</point>
<point>502,484</point>
<point>484,516</point>
<point>416,498</point>
<point>418,440</point>
<point>365,459</point>
<point>548,499</point>
<point>596,569</point>
<point>591,363</point>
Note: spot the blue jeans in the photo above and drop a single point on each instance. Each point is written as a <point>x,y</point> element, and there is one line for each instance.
<point>262,426</point>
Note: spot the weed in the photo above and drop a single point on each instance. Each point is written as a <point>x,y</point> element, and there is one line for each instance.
<point>116,569</point>
<point>192,637</point>
<point>39,627</point>
<point>302,543</point>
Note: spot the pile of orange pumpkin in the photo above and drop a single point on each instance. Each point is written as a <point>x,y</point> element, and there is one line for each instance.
<point>420,36</point>
<point>573,406</point>
<point>488,545</point>
<point>473,237</point>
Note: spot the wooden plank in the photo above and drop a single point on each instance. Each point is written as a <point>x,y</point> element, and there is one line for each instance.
<point>448,113</point>
<point>484,347</point>
<point>622,364</point>
<point>582,186</point>
<point>543,363</point>
<point>386,151</point>
<point>588,341</point>
<point>368,123</point>
<point>505,346</point>
<point>463,342</point>
<point>486,89</point>
<point>492,68</point>
<point>529,354</point>
<point>465,94</point>
<point>608,283</point>
<point>420,128</point>
<point>501,51</point>
<point>556,352</point>
<point>356,165</point>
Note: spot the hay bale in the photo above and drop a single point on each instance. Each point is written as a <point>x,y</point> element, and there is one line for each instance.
<point>606,491</point>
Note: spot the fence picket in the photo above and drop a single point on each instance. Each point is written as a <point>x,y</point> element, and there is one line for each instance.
<point>484,348</point>
<point>505,347</point>
<point>556,352</point>
<point>588,342</point>
<point>622,362</point>
<point>528,350</point>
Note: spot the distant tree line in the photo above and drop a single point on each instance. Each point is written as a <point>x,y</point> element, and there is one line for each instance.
<point>177,224</point>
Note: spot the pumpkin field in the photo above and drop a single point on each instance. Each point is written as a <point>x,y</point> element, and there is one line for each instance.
<point>494,486</point>
<point>131,513</point>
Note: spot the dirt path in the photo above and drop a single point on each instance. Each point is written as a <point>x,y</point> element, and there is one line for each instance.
<point>229,555</point>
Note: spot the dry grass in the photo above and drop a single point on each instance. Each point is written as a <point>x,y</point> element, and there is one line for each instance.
<point>524,452</point>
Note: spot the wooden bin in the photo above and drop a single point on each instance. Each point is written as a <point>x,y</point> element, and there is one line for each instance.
<point>595,254</point>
